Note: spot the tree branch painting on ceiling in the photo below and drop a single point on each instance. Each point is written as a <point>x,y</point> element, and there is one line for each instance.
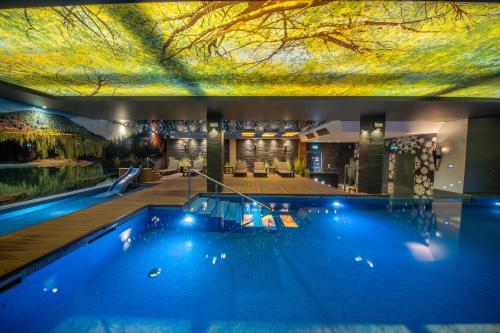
<point>255,48</point>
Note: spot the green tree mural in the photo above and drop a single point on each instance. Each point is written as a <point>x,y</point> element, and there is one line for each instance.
<point>49,135</point>
<point>255,48</point>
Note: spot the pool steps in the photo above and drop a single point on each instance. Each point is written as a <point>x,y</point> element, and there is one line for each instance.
<point>227,212</point>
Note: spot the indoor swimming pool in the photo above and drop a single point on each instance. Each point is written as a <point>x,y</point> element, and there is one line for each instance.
<point>23,216</point>
<point>330,264</point>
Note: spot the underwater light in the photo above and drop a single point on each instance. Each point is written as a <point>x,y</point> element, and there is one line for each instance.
<point>337,204</point>
<point>497,203</point>
<point>155,272</point>
<point>188,219</point>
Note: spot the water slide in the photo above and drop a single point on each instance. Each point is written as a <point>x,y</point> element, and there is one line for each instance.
<point>120,185</point>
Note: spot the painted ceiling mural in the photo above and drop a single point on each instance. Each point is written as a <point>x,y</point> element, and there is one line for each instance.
<point>255,48</point>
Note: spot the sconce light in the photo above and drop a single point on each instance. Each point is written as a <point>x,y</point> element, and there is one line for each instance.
<point>248,133</point>
<point>437,154</point>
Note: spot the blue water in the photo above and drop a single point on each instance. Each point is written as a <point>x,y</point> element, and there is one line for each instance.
<point>26,217</point>
<point>352,265</point>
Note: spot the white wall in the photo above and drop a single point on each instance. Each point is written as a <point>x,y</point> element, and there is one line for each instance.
<point>452,138</point>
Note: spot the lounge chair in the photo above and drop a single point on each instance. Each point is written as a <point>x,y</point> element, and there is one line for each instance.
<point>173,166</point>
<point>198,166</point>
<point>259,170</point>
<point>240,169</point>
<point>283,171</point>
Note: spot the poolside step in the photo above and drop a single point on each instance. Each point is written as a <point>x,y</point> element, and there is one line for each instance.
<point>220,209</point>
<point>196,204</point>
<point>229,214</point>
<point>233,213</point>
<point>207,207</point>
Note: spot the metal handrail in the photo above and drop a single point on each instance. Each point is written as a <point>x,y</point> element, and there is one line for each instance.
<point>223,185</point>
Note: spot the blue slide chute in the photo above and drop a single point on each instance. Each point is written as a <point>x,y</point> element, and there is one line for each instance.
<point>120,185</point>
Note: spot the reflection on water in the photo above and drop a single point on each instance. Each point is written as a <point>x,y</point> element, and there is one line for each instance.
<point>28,183</point>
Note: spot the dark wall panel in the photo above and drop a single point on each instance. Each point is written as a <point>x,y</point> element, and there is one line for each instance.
<point>404,174</point>
<point>215,150</point>
<point>334,156</point>
<point>226,151</point>
<point>482,161</point>
<point>371,154</point>
<point>190,148</point>
<point>265,150</point>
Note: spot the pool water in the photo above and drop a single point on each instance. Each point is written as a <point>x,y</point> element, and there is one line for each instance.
<point>351,265</point>
<point>25,217</point>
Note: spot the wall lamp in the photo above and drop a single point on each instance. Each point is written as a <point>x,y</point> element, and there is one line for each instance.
<point>248,133</point>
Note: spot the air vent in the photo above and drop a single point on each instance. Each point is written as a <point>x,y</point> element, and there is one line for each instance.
<point>310,136</point>
<point>322,131</point>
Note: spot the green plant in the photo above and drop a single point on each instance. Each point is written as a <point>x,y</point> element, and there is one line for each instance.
<point>185,162</point>
<point>288,165</point>
<point>275,162</point>
<point>307,172</point>
<point>202,159</point>
<point>297,166</point>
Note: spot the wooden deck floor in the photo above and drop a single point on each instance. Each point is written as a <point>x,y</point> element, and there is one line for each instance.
<point>24,246</point>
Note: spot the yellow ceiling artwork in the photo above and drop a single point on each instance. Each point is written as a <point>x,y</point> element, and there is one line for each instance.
<point>255,48</point>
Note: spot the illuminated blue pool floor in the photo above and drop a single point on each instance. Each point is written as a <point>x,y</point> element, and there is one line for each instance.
<point>363,270</point>
<point>23,218</point>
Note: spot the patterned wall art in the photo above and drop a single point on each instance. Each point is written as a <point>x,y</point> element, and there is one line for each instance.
<point>233,128</point>
<point>254,48</point>
<point>421,146</point>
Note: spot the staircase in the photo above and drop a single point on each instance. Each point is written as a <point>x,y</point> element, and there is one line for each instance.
<point>230,213</point>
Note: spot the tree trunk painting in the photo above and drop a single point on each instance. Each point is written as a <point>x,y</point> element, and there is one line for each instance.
<point>254,48</point>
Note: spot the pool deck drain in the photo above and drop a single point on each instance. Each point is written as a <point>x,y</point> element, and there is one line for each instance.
<point>27,245</point>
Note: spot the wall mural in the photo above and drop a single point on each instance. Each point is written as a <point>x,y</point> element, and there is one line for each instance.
<point>422,147</point>
<point>232,128</point>
<point>36,135</point>
<point>254,48</point>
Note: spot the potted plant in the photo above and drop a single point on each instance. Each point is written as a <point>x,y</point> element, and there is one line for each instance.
<point>185,163</point>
